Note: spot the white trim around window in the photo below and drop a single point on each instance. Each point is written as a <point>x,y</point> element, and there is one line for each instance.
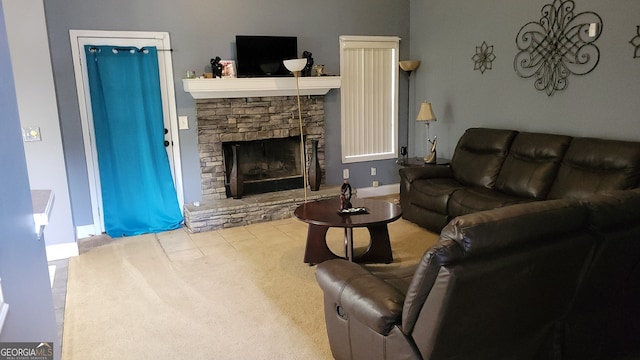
<point>369,97</point>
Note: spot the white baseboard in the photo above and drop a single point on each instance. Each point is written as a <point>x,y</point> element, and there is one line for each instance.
<point>85,231</point>
<point>378,191</point>
<point>61,251</point>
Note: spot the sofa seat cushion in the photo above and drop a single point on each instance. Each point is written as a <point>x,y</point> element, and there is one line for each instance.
<point>532,164</point>
<point>473,199</point>
<point>433,194</point>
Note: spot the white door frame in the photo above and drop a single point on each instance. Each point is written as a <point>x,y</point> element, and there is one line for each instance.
<point>79,38</point>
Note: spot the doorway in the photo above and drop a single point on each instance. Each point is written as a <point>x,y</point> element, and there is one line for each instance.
<point>80,38</point>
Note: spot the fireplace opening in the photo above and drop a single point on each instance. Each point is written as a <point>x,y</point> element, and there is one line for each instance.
<point>264,165</point>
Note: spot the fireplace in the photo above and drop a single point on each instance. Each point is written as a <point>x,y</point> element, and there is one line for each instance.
<point>267,133</point>
<point>265,165</point>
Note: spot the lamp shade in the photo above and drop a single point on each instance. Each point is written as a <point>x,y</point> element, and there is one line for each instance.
<point>426,113</point>
<point>409,65</point>
<point>294,65</point>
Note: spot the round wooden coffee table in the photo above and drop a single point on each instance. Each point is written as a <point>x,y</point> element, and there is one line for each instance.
<point>323,214</point>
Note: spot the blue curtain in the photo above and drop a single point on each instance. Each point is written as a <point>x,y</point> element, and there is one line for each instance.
<point>138,195</point>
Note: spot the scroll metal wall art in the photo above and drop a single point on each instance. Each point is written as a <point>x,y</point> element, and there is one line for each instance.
<point>635,41</point>
<point>561,43</point>
<point>483,58</point>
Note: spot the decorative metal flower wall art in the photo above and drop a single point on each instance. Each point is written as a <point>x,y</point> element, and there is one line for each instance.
<point>557,46</point>
<point>636,42</point>
<point>483,57</point>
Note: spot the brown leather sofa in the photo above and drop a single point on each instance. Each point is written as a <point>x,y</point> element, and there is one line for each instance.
<point>556,279</point>
<point>492,168</point>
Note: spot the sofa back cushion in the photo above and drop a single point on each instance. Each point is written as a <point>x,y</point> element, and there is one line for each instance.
<point>479,155</point>
<point>532,164</point>
<point>595,165</point>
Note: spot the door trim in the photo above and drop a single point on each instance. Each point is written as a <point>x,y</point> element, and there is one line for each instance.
<point>169,105</point>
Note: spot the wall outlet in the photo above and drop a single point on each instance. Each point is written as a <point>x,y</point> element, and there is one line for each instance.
<point>345,173</point>
<point>31,134</point>
<point>375,183</point>
<point>373,171</point>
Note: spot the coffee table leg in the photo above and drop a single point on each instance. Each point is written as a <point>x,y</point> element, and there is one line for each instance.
<point>380,247</point>
<point>317,250</point>
<point>348,243</point>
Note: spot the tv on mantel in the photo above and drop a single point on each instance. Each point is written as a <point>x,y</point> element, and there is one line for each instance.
<point>261,56</point>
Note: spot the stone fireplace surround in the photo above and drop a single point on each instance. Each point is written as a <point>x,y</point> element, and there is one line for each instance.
<point>247,119</point>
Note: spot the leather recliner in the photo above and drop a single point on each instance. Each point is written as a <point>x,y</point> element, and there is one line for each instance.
<point>497,285</point>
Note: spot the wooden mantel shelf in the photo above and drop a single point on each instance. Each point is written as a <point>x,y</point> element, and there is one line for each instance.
<point>258,87</point>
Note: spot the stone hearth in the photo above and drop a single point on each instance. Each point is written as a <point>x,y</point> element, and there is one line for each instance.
<point>226,213</point>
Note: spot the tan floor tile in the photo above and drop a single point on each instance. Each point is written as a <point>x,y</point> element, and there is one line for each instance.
<point>176,242</point>
<point>185,255</point>
<point>240,234</point>
<point>207,238</point>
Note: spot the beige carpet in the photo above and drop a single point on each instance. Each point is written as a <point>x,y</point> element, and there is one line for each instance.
<point>239,293</point>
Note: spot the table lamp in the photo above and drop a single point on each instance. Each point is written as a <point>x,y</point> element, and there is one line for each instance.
<point>426,114</point>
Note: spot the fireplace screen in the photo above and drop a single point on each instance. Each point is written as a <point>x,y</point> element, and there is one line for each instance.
<point>265,165</point>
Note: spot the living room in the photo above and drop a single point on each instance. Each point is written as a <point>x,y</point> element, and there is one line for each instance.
<point>442,35</point>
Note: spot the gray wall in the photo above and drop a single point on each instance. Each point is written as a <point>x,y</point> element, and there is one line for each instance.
<point>29,48</point>
<point>23,266</point>
<point>445,33</point>
<point>201,30</point>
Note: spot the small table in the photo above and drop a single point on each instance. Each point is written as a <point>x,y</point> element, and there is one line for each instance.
<point>323,214</point>
<point>418,161</point>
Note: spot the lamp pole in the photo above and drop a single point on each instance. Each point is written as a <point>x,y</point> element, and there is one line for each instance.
<point>295,66</point>
<point>408,66</point>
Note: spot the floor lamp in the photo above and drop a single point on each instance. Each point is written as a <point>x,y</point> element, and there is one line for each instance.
<point>295,66</point>
<point>408,66</point>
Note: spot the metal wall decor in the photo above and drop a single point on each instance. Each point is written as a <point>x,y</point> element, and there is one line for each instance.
<point>483,57</point>
<point>636,42</point>
<point>558,45</point>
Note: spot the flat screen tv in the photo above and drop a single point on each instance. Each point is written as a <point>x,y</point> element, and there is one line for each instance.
<point>259,56</point>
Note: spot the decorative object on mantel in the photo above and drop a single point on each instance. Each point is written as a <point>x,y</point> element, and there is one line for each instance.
<point>483,58</point>
<point>295,66</point>
<point>318,70</point>
<point>561,43</point>
<point>228,68</point>
<point>216,67</point>
<point>426,114</point>
<point>635,41</point>
<point>307,68</point>
<point>315,172</point>
<point>407,66</point>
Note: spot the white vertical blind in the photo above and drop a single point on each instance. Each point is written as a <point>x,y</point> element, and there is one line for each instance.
<point>369,97</point>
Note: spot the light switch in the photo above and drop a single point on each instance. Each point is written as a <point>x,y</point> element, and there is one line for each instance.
<point>183,122</point>
<point>593,29</point>
<point>31,133</point>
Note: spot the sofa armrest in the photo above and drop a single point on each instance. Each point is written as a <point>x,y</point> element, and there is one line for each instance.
<point>360,294</point>
<point>411,174</point>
